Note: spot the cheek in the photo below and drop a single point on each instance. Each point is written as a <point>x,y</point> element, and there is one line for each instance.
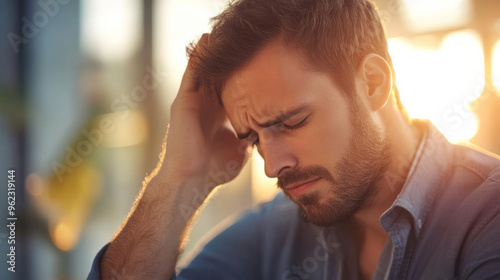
<point>324,141</point>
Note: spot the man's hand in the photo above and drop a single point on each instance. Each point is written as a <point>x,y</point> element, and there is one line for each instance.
<point>201,140</point>
<point>202,152</point>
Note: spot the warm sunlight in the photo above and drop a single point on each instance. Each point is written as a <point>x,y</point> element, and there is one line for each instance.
<point>263,187</point>
<point>63,235</point>
<point>438,81</point>
<point>496,66</point>
<point>111,29</point>
<point>425,15</point>
<point>181,22</point>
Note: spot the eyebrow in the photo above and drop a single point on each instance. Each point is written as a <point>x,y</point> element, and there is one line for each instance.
<point>277,120</point>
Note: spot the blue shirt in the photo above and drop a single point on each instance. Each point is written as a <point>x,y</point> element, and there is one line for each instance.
<point>445,224</point>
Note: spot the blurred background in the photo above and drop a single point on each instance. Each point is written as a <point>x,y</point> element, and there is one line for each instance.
<point>85,92</point>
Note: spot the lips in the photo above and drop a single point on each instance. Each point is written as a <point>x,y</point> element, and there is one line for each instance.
<point>301,188</point>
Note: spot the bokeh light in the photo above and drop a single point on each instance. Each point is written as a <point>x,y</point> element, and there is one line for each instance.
<point>496,66</point>
<point>111,29</point>
<point>440,82</point>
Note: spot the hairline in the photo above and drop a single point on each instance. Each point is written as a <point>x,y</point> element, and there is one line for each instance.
<point>308,63</point>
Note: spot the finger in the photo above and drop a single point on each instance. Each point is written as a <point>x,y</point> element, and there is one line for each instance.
<point>189,81</point>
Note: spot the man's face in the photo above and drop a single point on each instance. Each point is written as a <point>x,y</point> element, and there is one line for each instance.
<point>325,150</point>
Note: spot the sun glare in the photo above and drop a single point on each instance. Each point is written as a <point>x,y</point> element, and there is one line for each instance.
<point>111,29</point>
<point>437,81</point>
<point>440,82</point>
<point>425,15</point>
<point>496,66</point>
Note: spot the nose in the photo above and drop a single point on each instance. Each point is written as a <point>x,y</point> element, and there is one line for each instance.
<point>278,158</point>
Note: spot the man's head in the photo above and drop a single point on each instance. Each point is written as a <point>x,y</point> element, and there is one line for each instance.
<point>303,81</point>
<point>334,35</point>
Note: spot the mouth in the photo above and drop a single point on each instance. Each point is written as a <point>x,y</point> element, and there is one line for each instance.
<point>301,188</point>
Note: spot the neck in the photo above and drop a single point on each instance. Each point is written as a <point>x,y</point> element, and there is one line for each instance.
<point>404,139</point>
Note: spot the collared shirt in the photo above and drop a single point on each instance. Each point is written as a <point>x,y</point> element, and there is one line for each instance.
<point>444,224</point>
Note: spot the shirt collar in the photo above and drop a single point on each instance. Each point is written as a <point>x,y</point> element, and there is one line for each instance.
<point>427,171</point>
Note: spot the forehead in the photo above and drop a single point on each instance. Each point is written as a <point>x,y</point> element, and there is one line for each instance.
<point>276,73</point>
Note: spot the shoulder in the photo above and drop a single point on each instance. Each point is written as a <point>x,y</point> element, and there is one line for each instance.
<point>238,247</point>
<point>250,227</point>
<point>263,219</point>
<point>467,212</point>
<point>472,186</point>
<point>278,212</point>
<point>475,162</point>
<point>462,227</point>
<point>473,176</point>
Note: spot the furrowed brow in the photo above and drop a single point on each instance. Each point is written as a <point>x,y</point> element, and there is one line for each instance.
<point>277,120</point>
<point>282,117</point>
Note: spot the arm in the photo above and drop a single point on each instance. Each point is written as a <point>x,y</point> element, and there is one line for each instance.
<point>149,242</point>
<point>200,152</point>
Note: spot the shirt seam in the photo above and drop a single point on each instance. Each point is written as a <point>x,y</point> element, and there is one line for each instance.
<point>470,166</point>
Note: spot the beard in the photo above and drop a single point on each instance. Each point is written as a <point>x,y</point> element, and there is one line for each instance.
<point>352,185</point>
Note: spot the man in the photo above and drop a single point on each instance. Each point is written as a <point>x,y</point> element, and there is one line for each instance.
<point>368,193</point>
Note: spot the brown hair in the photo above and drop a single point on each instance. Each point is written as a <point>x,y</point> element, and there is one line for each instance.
<point>334,35</point>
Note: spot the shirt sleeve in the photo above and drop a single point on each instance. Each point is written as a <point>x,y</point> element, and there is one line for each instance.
<point>95,271</point>
<point>231,254</point>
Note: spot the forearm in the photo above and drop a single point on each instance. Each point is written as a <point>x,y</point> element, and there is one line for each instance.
<point>200,146</point>
<point>148,245</point>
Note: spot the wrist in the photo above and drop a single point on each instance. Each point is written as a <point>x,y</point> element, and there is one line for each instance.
<point>190,190</point>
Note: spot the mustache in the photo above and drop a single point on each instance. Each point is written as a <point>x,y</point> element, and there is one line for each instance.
<point>302,175</point>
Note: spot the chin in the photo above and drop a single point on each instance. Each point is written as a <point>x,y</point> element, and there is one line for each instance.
<point>327,215</point>
<point>325,220</point>
<point>329,208</point>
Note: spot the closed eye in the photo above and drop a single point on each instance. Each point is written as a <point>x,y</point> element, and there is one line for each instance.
<point>298,125</point>
<point>254,137</point>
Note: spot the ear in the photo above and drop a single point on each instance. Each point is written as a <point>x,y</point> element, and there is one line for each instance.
<point>375,77</point>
